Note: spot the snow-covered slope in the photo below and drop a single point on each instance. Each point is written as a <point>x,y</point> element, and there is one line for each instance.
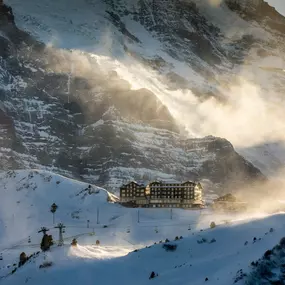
<point>220,256</point>
<point>90,213</point>
<point>28,195</point>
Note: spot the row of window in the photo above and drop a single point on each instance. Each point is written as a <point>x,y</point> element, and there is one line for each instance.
<point>162,192</point>
<point>133,187</point>
<point>175,186</point>
<point>163,197</point>
<point>172,192</point>
<point>171,206</point>
<point>172,196</point>
<point>161,189</point>
<point>188,196</point>
<point>171,184</point>
<point>172,188</point>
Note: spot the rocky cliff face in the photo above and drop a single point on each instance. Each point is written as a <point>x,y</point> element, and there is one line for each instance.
<point>90,124</point>
<point>260,11</point>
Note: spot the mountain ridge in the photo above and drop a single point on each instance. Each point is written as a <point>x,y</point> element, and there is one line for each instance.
<point>100,135</point>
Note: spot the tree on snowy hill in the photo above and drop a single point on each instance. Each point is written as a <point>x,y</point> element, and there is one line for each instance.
<point>74,242</point>
<point>23,259</point>
<point>47,240</point>
<point>50,239</point>
<point>270,268</point>
<point>45,244</point>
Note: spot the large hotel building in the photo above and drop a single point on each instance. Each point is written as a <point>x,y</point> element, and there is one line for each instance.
<point>159,194</point>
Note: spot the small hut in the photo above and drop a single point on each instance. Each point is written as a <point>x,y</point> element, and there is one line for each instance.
<point>229,202</point>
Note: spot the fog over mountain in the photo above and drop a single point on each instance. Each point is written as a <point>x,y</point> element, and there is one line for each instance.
<point>107,91</point>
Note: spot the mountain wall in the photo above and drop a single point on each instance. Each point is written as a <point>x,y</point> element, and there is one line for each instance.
<point>91,124</point>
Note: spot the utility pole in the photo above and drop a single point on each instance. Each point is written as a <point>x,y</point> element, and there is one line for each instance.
<point>138,216</point>
<point>97,215</point>
<point>53,209</point>
<point>61,228</point>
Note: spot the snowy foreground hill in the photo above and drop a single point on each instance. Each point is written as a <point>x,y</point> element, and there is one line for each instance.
<point>217,254</point>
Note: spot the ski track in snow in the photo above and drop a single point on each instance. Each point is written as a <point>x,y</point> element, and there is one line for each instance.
<point>98,252</point>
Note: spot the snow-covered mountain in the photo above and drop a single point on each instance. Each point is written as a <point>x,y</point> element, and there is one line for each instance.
<point>137,83</point>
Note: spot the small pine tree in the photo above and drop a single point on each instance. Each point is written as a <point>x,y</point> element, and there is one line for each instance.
<point>45,244</point>
<point>50,240</point>
<point>23,259</point>
<point>74,242</point>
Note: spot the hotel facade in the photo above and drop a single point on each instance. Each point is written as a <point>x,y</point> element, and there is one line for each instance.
<point>160,194</point>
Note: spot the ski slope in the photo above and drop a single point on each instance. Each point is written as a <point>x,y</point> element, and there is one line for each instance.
<point>24,209</point>
<point>191,263</point>
<point>28,194</point>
